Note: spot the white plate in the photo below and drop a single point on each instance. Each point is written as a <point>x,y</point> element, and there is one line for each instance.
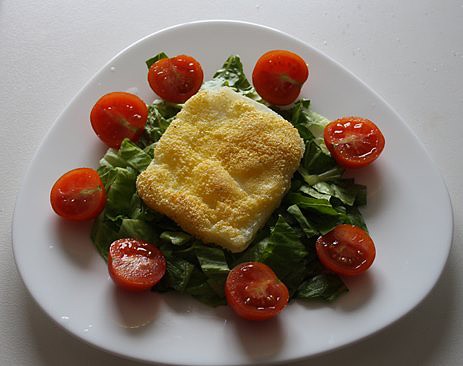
<point>408,213</point>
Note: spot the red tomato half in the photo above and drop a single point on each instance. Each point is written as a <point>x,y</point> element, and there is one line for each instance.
<point>354,141</point>
<point>78,195</point>
<point>117,116</point>
<point>176,79</point>
<point>279,75</point>
<point>346,250</point>
<point>135,265</point>
<point>254,292</point>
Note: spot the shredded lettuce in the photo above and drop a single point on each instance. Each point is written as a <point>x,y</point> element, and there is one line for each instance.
<point>318,200</point>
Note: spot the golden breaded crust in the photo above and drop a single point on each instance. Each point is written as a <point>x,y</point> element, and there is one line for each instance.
<point>222,167</point>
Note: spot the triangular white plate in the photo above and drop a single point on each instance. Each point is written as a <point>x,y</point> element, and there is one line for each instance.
<point>408,214</point>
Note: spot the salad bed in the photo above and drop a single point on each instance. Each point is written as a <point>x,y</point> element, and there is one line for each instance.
<point>319,199</point>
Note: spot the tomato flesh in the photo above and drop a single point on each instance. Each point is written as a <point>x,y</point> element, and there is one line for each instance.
<point>135,265</point>
<point>78,195</point>
<point>354,141</point>
<point>254,292</point>
<point>346,250</point>
<point>118,115</point>
<point>176,79</point>
<point>278,76</point>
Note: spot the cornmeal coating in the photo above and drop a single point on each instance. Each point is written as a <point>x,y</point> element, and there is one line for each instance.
<point>222,167</point>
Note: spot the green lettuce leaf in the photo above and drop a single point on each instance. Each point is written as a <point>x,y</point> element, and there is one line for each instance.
<point>112,159</point>
<point>327,287</point>
<point>178,273</point>
<point>138,210</point>
<point>352,216</point>
<point>315,160</point>
<point>232,75</point>
<point>120,193</point>
<point>160,115</point>
<point>318,206</point>
<point>135,157</point>
<point>153,59</point>
<point>309,191</point>
<point>102,235</point>
<point>214,265</point>
<point>283,252</point>
<point>329,175</point>
<point>308,228</point>
<point>345,190</point>
<point>138,229</point>
<point>201,290</point>
<point>309,123</point>
<point>177,238</point>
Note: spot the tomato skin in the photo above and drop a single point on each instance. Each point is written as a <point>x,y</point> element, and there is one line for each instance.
<point>118,115</point>
<point>254,292</point>
<point>346,250</point>
<point>278,76</point>
<point>176,79</point>
<point>354,142</point>
<point>135,265</point>
<point>78,195</point>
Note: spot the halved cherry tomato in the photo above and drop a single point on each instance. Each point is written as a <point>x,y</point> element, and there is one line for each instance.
<point>354,141</point>
<point>117,116</point>
<point>135,265</point>
<point>78,195</point>
<point>346,250</point>
<point>279,75</point>
<point>176,79</point>
<point>254,292</point>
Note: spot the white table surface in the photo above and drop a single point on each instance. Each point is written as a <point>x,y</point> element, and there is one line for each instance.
<point>410,52</point>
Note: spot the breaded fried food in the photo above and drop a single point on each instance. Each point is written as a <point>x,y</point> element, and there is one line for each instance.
<point>222,167</point>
